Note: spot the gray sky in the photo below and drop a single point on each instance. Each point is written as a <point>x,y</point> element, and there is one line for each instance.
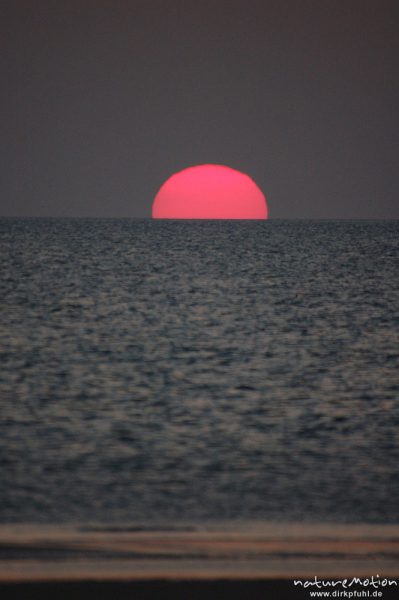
<point>103,100</point>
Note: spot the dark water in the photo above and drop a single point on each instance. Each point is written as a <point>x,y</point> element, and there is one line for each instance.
<point>162,372</point>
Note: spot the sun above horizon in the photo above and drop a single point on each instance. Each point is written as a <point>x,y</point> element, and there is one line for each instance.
<point>209,192</point>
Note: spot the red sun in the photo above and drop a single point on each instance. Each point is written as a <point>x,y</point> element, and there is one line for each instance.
<point>209,192</point>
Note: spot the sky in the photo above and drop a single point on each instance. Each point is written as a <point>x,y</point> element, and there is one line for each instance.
<point>103,100</point>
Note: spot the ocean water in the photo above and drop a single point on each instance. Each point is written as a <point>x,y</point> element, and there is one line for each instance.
<point>170,372</point>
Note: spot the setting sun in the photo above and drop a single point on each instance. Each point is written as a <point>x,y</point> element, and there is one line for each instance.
<point>209,192</point>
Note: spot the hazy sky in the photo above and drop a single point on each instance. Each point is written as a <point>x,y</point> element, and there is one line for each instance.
<point>102,100</point>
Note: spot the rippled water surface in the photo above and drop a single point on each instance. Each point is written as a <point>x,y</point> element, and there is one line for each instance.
<point>169,371</point>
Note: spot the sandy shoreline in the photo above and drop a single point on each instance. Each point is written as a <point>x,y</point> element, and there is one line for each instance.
<point>248,561</point>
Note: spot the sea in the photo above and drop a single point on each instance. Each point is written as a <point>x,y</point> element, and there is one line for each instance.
<point>161,375</point>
